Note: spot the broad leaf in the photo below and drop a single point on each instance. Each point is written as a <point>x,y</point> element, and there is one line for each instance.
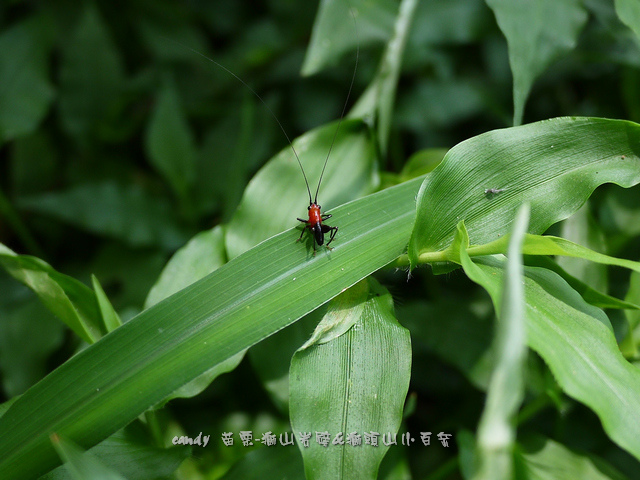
<point>349,381</point>
<point>553,165</point>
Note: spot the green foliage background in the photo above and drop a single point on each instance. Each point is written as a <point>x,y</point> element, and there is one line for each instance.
<point>120,142</point>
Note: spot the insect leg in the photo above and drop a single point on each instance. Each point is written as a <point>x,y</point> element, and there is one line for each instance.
<point>301,233</point>
<point>333,230</point>
<point>326,215</point>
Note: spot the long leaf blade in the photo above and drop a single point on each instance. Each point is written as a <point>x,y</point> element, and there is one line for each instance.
<point>107,385</point>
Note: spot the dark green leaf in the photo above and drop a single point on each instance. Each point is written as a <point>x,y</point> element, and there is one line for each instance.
<point>91,75</point>
<point>170,144</point>
<point>129,452</point>
<point>545,459</point>
<point>538,33</point>
<point>25,90</point>
<point>126,212</point>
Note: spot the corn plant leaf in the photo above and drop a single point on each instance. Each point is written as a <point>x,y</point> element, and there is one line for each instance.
<point>107,385</point>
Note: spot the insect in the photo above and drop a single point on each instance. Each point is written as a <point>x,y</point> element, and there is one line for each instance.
<point>314,223</point>
<point>316,218</point>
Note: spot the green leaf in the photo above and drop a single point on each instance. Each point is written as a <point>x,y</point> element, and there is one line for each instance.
<point>71,301</point>
<point>541,458</point>
<point>496,430</point>
<point>202,255</point>
<point>334,32</point>
<point>631,342</point>
<point>111,382</point>
<point>576,341</point>
<point>595,298</point>
<point>25,90</point>
<point>629,13</point>
<point>582,228</point>
<point>548,245</point>
<point>266,208</point>
<point>170,144</point>
<point>91,75</point>
<point>377,102</point>
<point>23,355</point>
<point>352,377</point>
<point>80,464</point>
<point>130,452</point>
<point>109,316</point>
<point>343,314</point>
<point>537,33</point>
<point>553,165</point>
<point>126,212</point>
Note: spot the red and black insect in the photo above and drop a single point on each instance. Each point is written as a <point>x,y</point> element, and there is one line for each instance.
<point>316,217</point>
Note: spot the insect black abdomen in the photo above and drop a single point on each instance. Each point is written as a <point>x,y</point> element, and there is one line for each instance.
<point>318,233</point>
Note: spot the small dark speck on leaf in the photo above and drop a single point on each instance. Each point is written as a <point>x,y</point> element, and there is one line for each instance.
<point>491,192</point>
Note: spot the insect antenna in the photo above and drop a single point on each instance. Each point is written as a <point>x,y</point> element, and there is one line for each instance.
<point>275,117</point>
<point>269,110</point>
<point>344,108</point>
